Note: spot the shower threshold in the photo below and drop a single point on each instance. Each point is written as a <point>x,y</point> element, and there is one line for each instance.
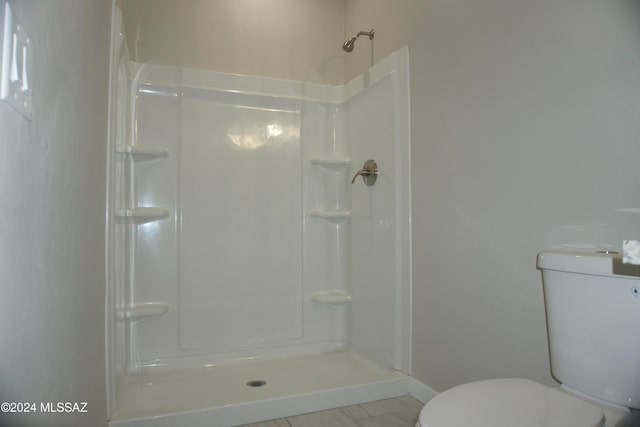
<point>252,390</point>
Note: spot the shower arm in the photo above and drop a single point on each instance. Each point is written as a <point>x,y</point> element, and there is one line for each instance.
<point>369,34</point>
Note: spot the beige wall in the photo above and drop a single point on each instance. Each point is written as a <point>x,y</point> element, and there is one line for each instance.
<point>52,191</point>
<point>524,135</point>
<point>388,18</point>
<point>288,39</point>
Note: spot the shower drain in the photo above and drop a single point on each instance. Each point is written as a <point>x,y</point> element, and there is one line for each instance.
<point>256,383</point>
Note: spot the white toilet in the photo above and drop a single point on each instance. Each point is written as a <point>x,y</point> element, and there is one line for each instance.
<point>593,321</point>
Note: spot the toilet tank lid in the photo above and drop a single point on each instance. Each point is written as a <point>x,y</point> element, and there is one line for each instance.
<point>506,403</point>
<point>600,264</point>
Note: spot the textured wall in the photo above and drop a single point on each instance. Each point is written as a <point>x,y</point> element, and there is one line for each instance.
<point>52,192</point>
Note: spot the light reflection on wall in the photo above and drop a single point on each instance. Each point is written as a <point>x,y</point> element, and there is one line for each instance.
<point>254,137</point>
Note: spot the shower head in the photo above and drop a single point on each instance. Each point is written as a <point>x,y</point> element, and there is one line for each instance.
<point>348,45</point>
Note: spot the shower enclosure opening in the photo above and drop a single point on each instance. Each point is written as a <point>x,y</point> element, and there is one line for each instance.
<point>248,278</point>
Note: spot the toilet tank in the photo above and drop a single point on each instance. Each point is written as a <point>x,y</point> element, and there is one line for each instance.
<point>593,321</point>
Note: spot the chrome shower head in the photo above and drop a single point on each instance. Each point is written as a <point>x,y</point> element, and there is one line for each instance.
<point>348,45</point>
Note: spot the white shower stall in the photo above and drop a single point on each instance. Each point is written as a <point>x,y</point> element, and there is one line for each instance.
<point>248,277</point>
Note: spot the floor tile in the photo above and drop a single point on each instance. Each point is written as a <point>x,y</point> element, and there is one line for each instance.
<point>398,419</point>
<point>382,407</point>
<point>333,418</point>
<point>410,403</point>
<point>357,412</point>
<point>274,423</point>
<point>398,412</point>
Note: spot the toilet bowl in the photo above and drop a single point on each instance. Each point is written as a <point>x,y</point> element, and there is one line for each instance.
<point>517,402</point>
<point>587,303</point>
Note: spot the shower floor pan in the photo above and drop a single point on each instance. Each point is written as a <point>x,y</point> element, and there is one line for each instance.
<point>233,393</point>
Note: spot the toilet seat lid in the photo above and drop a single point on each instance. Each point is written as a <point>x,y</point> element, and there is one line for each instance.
<point>507,403</point>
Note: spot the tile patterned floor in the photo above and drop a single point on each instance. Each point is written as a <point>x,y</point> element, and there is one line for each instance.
<point>398,412</point>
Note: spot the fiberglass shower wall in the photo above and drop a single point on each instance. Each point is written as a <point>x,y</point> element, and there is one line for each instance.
<point>219,201</point>
<point>240,232</point>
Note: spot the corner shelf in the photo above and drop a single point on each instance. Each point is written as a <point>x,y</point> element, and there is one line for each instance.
<point>143,310</point>
<point>330,215</point>
<point>141,154</point>
<point>332,163</point>
<point>336,298</point>
<point>143,215</point>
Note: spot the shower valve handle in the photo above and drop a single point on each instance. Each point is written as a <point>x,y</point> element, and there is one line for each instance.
<point>369,173</point>
<point>361,172</point>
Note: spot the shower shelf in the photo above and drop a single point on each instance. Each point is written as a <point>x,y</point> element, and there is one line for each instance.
<point>331,297</point>
<point>332,163</point>
<point>331,215</point>
<point>141,154</point>
<point>143,214</point>
<point>143,310</point>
